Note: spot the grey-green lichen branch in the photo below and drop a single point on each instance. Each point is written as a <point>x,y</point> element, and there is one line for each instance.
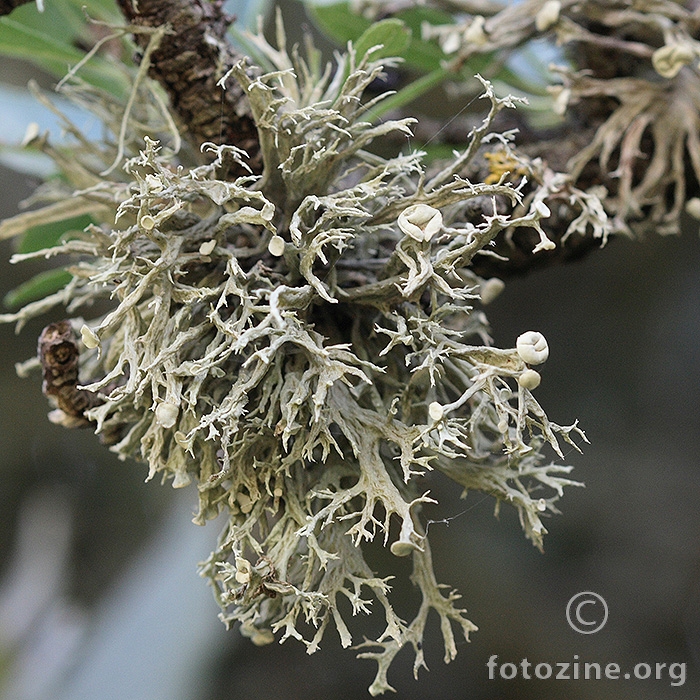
<point>304,346</point>
<point>629,91</point>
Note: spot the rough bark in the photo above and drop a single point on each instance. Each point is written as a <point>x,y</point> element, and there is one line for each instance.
<point>191,59</point>
<point>59,355</point>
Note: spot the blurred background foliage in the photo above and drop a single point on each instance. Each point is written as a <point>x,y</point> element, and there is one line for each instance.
<point>99,596</point>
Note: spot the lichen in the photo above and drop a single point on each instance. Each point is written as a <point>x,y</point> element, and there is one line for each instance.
<point>307,346</point>
<point>628,81</point>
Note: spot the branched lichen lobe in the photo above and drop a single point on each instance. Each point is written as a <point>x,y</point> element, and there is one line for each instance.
<point>304,347</point>
<point>303,340</point>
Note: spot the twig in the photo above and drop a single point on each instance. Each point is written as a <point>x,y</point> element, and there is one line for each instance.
<point>189,62</point>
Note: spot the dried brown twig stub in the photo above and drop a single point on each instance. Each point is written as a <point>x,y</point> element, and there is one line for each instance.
<point>59,354</point>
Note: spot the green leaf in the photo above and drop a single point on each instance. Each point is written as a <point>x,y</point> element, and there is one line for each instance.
<point>48,235</point>
<point>342,25</point>
<point>21,41</point>
<point>421,55</point>
<point>393,35</point>
<point>41,47</point>
<point>65,18</point>
<point>38,287</point>
<point>339,23</point>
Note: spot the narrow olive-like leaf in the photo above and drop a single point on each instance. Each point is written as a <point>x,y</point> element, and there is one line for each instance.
<point>69,20</point>
<point>38,287</point>
<point>58,211</point>
<point>392,34</point>
<point>27,42</point>
<point>65,19</point>
<point>47,235</point>
<point>339,23</point>
<point>421,55</point>
<point>56,56</point>
<point>414,17</point>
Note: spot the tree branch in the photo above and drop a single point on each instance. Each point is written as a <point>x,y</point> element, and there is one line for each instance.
<point>189,62</point>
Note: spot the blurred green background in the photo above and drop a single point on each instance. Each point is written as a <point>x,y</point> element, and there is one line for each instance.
<point>99,595</point>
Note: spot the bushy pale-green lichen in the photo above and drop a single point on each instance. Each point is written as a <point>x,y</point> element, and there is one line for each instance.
<point>304,346</point>
<point>629,76</point>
